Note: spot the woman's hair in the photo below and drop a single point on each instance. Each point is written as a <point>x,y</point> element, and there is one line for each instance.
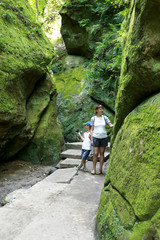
<point>97,107</point>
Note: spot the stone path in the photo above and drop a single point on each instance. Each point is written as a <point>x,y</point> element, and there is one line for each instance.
<point>62,206</point>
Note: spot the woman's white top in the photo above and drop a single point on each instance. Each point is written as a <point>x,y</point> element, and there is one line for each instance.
<point>99,124</point>
<point>86,142</point>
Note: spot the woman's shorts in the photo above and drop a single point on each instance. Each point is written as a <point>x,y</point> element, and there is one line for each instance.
<point>85,154</point>
<point>100,142</point>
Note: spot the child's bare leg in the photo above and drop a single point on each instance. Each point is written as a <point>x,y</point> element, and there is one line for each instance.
<point>84,163</point>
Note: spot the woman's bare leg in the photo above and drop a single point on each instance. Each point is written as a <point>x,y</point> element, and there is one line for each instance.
<point>102,149</point>
<point>95,157</point>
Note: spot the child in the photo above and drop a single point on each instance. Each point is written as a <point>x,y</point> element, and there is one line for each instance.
<point>86,146</point>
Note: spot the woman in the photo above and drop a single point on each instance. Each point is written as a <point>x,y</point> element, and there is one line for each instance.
<point>99,136</point>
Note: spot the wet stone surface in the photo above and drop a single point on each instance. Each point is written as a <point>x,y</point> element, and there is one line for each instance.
<point>19,174</point>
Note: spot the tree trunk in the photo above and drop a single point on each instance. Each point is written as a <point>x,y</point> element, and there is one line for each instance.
<point>37,7</point>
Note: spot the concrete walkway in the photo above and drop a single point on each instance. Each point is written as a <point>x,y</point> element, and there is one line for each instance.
<point>63,206</point>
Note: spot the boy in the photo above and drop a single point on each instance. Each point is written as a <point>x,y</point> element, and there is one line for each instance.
<point>86,146</point>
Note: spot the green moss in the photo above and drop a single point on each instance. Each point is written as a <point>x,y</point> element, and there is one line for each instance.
<point>108,222</point>
<point>23,38</point>
<point>139,230</point>
<point>4,202</point>
<point>74,104</point>
<point>47,143</point>
<point>70,82</point>
<point>24,55</point>
<point>134,165</point>
<point>140,61</point>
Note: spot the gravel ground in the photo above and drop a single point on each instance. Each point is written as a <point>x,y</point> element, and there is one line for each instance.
<point>20,174</point>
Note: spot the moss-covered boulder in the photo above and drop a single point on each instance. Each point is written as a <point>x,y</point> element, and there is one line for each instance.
<point>130,200</point>
<point>25,53</point>
<point>140,71</point>
<point>75,36</point>
<point>80,26</point>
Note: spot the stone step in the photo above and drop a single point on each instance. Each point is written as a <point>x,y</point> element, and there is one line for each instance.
<point>70,163</point>
<point>74,145</point>
<point>76,154</point>
<point>61,176</point>
<point>78,145</point>
<point>71,153</point>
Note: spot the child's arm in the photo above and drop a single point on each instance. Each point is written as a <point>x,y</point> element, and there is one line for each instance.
<point>80,136</point>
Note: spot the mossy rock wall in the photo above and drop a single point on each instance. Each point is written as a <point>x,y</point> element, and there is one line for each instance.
<point>133,174</point>
<point>130,199</point>
<point>47,141</point>
<point>140,71</point>
<point>25,53</point>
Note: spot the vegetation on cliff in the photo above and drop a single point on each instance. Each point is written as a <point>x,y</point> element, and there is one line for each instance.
<point>95,33</point>
<point>97,36</point>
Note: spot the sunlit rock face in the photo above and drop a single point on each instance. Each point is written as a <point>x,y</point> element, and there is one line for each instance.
<point>52,20</point>
<point>130,200</point>
<point>26,90</point>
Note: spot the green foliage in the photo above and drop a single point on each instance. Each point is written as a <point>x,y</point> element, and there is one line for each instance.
<point>84,22</point>
<point>16,15</point>
<point>33,31</point>
<point>2,42</point>
<point>60,52</point>
<point>104,69</point>
<point>8,16</point>
<point>38,6</point>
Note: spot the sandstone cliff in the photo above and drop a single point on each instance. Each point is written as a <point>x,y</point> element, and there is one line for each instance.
<point>130,199</point>
<point>27,96</point>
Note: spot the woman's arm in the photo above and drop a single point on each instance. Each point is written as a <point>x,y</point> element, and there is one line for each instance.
<point>110,125</point>
<point>92,128</point>
<point>91,137</point>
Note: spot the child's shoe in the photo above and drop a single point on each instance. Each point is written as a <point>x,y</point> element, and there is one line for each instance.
<point>79,167</point>
<point>85,169</point>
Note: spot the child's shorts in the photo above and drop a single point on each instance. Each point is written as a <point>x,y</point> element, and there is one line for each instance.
<point>100,142</point>
<point>85,154</point>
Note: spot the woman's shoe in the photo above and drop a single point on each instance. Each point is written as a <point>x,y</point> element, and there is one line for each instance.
<point>98,172</point>
<point>93,172</point>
